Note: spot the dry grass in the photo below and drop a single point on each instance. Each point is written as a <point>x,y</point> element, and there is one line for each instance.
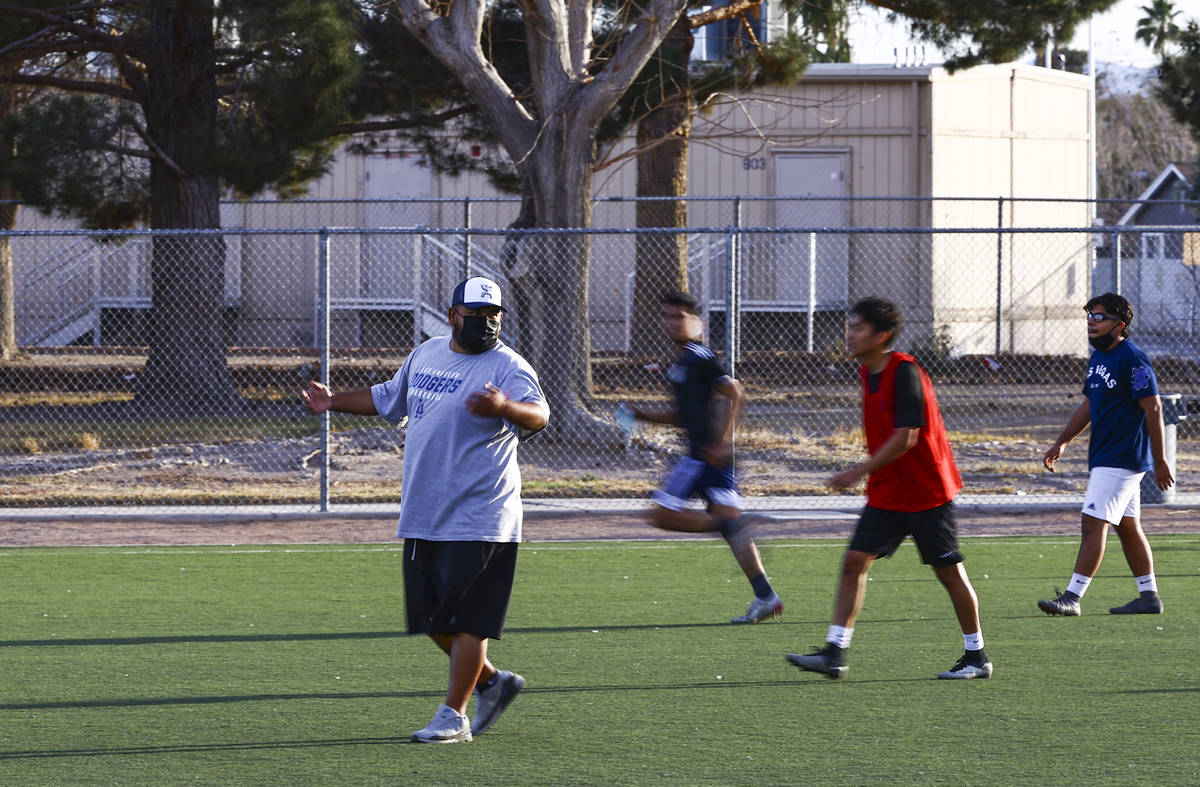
<point>61,398</point>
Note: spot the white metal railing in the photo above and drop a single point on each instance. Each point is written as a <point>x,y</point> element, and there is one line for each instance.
<point>53,304</point>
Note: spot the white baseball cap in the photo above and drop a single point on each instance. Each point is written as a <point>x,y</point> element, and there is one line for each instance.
<point>477,292</point>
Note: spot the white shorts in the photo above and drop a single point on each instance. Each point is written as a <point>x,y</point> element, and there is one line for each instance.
<point>1113,493</point>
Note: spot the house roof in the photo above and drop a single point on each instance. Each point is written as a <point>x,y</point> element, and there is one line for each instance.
<point>1176,170</point>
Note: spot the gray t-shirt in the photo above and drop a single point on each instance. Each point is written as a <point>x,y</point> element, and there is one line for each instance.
<point>461,480</point>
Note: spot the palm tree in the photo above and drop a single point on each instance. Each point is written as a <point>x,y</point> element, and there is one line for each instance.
<point>1158,27</point>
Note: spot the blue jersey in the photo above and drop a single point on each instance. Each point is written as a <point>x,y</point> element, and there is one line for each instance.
<point>1116,380</point>
<point>694,377</point>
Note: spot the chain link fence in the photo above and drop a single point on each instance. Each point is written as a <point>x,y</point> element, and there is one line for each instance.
<point>164,368</point>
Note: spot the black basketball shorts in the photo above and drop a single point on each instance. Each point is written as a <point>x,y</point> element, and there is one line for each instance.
<point>453,587</point>
<point>935,531</point>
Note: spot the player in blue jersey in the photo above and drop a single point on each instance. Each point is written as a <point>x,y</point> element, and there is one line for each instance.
<point>707,402</point>
<point>467,400</point>
<point>1125,412</point>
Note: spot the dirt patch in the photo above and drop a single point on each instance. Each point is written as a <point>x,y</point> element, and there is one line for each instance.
<point>334,529</point>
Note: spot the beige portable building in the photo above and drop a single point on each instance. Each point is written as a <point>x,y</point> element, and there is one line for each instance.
<point>990,133</point>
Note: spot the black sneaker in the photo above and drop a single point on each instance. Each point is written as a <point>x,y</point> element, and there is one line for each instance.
<point>829,660</point>
<point>969,665</point>
<point>1065,604</point>
<point>1147,603</point>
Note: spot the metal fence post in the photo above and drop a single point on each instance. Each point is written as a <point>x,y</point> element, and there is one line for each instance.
<point>999,270</point>
<point>1117,263</point>
<point>733,295</point>
<point>812,285</point>
<point>466,238</point>
<point>323,343</point>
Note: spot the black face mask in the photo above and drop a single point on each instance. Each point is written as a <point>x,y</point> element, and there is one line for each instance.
<point>477,333</point>
<point>1103,341</point>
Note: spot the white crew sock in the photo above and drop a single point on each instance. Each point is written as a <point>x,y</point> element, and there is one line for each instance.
<point>1079,584</point>
<point>840,636</point>
<point>973,641</point>
<point>1147,582</point>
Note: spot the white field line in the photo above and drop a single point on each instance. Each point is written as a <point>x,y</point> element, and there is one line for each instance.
<point>530,546</point>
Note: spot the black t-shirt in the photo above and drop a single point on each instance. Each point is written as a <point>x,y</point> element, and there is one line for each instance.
<point>694,377</point>
<point>910,401</point>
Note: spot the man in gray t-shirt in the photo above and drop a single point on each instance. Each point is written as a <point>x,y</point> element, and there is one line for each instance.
<point>445,441</point>
<point>467,400</point>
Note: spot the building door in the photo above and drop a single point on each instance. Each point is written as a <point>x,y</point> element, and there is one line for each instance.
<point>399,191</point>
<point>819,181</point>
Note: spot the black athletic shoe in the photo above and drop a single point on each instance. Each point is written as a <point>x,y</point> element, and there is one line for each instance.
<point>828,660</point>
<point>968,666</point>
<point>1146,604</point>
<point>1065,604</point>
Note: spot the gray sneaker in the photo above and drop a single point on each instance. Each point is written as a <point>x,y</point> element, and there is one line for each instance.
<point>822,660</point>
<point>1065,604</point>
<point>491,703</point>
<point>1146,604</point>
<point>965,670</point>
<point>448,726</point>
<point>761,609</point>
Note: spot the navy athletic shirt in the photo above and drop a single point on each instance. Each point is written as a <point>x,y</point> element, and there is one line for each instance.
<point>694,377</point>
<point>1117,379</point>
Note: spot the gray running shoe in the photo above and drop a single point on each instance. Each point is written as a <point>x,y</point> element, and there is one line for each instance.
<point>448,726</point>
<point>1065,604</point>
<point>1142,605</point>
<point>822,660</point>
<point>965,670</point>
<point>761,609</point>
<point>491,703</point>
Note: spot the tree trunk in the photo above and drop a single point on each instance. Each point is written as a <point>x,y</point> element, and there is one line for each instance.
<point>186,370</point>
<point>555,152</point>
<point>560,175</point>
<point>522,278</point>
<point>662,137</point>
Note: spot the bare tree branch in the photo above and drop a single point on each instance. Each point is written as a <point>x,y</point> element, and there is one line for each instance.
<point>159,153</point>
<point>73,85</point>
<point>635,49</point>
<point>466,60</point>
<point>100,38</point>
<point>721,13</point>
<point>366,127</point>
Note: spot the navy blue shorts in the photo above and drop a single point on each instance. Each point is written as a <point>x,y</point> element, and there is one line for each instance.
<point>453,587</point>
<point>690,478</point>
<point>935,531</point>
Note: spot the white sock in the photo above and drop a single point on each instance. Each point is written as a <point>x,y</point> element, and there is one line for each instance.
<point>973,641</point>
<point>1148,582</point>
<point>1079,584</point>
<point>840,636</point>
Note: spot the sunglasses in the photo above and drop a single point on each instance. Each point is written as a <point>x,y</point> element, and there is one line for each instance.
<point>1099,317</point>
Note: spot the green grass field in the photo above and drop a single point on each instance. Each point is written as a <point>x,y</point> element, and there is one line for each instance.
<point>289,665</point>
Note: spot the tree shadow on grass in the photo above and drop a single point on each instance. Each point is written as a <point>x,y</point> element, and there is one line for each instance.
<point>134,702</point>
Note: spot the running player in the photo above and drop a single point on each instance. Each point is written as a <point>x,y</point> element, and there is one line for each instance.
<point>707,403</point>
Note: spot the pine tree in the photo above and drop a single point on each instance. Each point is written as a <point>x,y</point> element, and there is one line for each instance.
<point>179,100</point>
